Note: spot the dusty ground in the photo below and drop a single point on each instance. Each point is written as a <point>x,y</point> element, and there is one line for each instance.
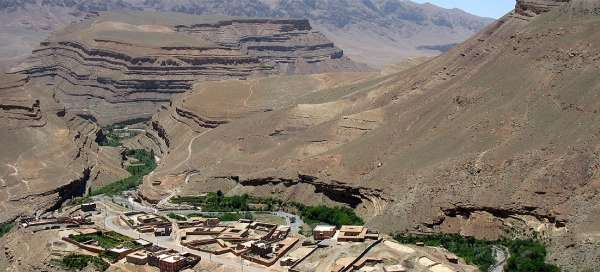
<point>502,127</point>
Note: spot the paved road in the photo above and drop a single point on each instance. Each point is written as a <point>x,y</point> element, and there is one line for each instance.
<point>136,206</point>
<point>232,263</point>
<point>294,226</point>
<point>501,254</point>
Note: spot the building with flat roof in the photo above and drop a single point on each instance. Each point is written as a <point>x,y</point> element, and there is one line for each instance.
<point>261,249</point>
<point>120,252</point>
<point>322,232</point>
<point>147,218</point>
<point>165,231</point>
<point>137,258</point>
<point>143,243</point>
<point>352,234</point>
<point>172,263</point>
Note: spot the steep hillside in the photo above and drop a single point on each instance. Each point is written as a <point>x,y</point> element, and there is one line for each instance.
<point>46,156</point>
<point>500,135</point>
<point>373,31</point>
<point>121,66</point>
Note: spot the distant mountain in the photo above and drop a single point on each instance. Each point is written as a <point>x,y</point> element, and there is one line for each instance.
<point>376,32</point>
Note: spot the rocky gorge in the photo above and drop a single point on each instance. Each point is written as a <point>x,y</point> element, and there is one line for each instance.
<point>497,137</point>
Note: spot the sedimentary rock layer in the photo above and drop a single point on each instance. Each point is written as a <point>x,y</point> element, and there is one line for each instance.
<point>124,65</point>
<point>534,7</point>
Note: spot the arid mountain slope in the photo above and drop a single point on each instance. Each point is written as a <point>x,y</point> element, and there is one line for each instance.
<point>121,66</point>
<point>373,31</point>
<point>500,134</point>
<point>46,155</point>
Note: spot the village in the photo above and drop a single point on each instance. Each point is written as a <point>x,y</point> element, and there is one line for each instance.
<point>143,238</point>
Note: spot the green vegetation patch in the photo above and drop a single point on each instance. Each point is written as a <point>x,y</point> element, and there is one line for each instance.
<point>78,262</point>
<point>146,165</point>
<point>110,256</point>
<point>106,240</point>
<point>473,251</point>
<point>525,255</point>
<point>215,202</point>
<point>218,202</point>
<point>337,216</point>
<point>235,216</point>
<point>178,217</point>
<point>108,136</point>
<point>5,228</point>
<point>226,216</point>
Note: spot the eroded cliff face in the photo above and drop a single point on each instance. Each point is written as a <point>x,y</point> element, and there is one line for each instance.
<point>47,155</point>
<point>376,32</point>
<point>499,135</point>
<point>123,66</point>
<point>532,8</point>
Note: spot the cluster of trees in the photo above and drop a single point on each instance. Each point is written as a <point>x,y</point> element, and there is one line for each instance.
<point>107,136</point>
<point>235,216</point>
<point>473,251</point>
<point>79,261</point>
<point>146,165</point>
<point>227,216</point>
<point>525,255</point>
<point>336,216</point>
<point>146,162</point>
<point>178,217</point>
<point>216,202</point>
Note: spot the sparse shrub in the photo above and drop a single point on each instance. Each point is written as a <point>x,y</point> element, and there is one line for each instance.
<point>5,228</point>
<point>78,262</point>
<point>177,216</point>
<point>147,165</point>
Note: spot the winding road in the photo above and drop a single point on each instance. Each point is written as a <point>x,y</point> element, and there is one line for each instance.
<point>189,152</point>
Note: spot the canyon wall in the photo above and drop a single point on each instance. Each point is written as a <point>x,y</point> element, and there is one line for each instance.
<point>123,66</point>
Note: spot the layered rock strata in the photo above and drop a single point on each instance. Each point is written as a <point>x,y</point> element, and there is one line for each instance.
<point>47,155</point>
<point>123,66</point>
<point>531,8</point>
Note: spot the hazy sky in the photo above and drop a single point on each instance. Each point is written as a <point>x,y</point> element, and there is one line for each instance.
<point>486,8</point>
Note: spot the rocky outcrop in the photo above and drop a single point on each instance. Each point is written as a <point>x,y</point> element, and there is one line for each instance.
<point>47,155</point>
<point>17,109</point>
<point>532,8</point>
<point>117,67</point>
<point>376,32</point>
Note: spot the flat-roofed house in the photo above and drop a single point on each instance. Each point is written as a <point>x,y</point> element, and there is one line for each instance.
<point>352,234</point>
<point>172,263</point>
<point>322,232</point>
<point>138,258</point>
